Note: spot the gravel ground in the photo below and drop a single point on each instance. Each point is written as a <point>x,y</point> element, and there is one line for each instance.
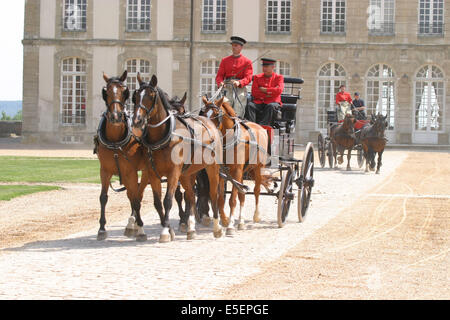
<point>50,249</point>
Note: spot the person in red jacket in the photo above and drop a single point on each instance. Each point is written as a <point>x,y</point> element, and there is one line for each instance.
<point>344,102</point>
<point>266,92</point>
<point>235,73</point>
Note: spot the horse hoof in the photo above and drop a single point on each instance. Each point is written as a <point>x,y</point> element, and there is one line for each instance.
<point>256,219</point>
<point>218,234</point>
<point>130,233</point>
<point>183,227</point>
<point>230,231</point>
<point>141,238</point>
<point>349,169</point>
<point>241,226</point>
<point>172,234</point>
<point>102,235</point>
<point>378,172</point>
<point>164,238</point>
<point>191,235</point>
<point>206,221</point>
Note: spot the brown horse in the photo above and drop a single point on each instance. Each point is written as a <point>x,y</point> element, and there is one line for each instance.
<point>169,140</point>
<point>245,147</point>
<point>119,154</point>
<point>373,141</point>
<point>343,138</point>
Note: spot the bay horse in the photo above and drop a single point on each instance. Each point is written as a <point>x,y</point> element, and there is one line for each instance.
<point>119,154</point>
<point>247,143</point>
<point>166,137</point>
<point>342,136</point>
<point>374,141</point>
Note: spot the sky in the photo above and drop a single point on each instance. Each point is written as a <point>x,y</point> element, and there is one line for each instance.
<point>11,62</point>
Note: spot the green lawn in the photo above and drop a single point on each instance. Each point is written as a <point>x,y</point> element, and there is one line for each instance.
<point>48,170</point>
<point>7,192</point>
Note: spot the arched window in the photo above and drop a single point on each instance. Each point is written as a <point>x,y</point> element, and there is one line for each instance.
<point>73,92</point>
<point>208,71</point>
<point>135,66</point>
<point>380,92</point>
<point>429,99</point>
<point>330,77</point>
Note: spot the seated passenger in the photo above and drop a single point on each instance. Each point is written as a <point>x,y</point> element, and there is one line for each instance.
<point>266,92</point>
<point>358,108</point>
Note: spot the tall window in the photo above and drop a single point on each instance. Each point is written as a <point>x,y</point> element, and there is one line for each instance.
<point>73,92</point>
<point>278,16</point>
<point>431,17</point>
<point>283,68</point>
<point>74,15</point>
<point>138,15</point>
<point>429,99</point>
<point>330,77</point>
<point>333,16</point>
<point>380,94</point>
<point>381,17</point>
<point>214,16</point>
<point>133,67</point>
<point>208,71</point>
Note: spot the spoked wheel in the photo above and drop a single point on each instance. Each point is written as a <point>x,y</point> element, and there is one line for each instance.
<point>306,182</point>
<point>321,150</point>
<point>285,195</point>
<point>360,156</point>
<point>330,154</point>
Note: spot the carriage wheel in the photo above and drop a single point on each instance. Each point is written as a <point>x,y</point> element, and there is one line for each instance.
<point>321,150</point>
<point>330,155</point>
<point>285,196</point>
<point>307,182</point>
<point>360,156</point>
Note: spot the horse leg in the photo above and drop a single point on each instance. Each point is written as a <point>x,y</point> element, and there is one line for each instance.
<point>105,178</point>
<point>236,173</point>
<point>213,178</point>
<point>134,193</point>
<point>349,155</point>
<point>189,197</point>
<point>179,198</point>
<point>380,154</point>
<point>131,228</point>
<point>241,223</point>
<point>172,183</point>
<point>256,191</point>
<point>203,198</point>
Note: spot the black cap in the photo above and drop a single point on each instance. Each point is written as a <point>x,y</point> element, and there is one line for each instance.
<point>268,61</point>
<point>238,40</point>
<point>356,94</point>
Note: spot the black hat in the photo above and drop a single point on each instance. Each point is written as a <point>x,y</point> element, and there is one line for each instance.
<point>238,40</point>
<point>356,94</point>
<point>268,61</point>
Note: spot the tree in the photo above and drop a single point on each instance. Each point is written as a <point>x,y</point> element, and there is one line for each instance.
<point>18,116</point>
<point>5,116</point>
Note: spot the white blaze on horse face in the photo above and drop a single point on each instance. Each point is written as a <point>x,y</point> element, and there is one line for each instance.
<point>209,113</point>
<point>115,90</point>
<point>142,95</point>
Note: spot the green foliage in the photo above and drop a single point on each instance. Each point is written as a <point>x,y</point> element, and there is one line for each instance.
<point>18,116</point>
<point>5,117</point>
<point>8,192</point>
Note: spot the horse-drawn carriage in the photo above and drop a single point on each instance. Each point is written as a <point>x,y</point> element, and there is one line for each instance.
<point>327,149</point>
<point>155,133</point>
<point>290,175</point>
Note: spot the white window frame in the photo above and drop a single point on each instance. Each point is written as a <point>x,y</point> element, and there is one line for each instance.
<point>74,15</point>
<point>433,27</point>
<point>142,66</point>
<point>386,93</point>
<point>428,81</point>
<point>334,25</point>
<point>335,82</point>
<point>73,86</point>
<point>208,78</point>
<point>282,24</point>
<point>141,11</point>
<point>383,17</point>
<point>215,24</point>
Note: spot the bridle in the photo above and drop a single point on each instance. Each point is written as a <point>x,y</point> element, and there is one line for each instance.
<point>121,115</point>
<point>148,111</point>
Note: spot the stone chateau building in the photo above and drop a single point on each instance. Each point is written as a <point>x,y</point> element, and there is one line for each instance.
<point>396,53</point>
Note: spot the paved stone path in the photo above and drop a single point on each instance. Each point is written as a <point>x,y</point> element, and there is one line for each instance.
<point>80,267</point>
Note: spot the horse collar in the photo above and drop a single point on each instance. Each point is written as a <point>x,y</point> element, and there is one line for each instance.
<point>109,144</point>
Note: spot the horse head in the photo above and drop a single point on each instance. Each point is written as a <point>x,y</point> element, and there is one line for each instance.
<point>380,124</point>
<point>144,100</point>
<point>213,110</point>
<point>178,105</point>
<point>115,94</point>
<point>349,123</point>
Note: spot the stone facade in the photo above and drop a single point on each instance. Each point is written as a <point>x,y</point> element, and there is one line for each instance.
<point>176,56</point>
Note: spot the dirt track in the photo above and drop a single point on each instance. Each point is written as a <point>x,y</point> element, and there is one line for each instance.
<point>366,236</point>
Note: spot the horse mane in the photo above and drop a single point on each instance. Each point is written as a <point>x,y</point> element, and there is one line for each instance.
<point>163,96</point>
<point>229,109</point>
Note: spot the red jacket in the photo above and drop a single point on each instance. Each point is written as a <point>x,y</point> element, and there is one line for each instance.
<point>343,97</point>
<point>240,68</point>
<point>274,86</point>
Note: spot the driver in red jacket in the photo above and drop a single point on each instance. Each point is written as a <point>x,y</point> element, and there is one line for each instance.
<point>266,91</point>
